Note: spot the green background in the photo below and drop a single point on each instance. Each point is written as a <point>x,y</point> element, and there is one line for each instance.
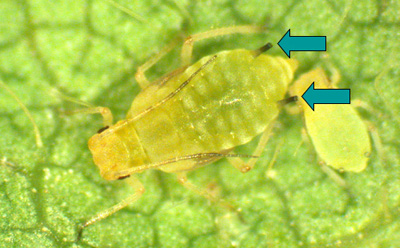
<point>90,50</point>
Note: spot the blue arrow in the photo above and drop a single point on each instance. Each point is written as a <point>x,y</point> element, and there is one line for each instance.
<point>326,96</point>
<point>302,43</point>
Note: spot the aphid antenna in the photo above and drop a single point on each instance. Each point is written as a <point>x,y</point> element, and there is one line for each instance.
<point>90,109</point>
<point>58,94</point>
<point>137,169</point>
<point>39,142</point>
<point>127,11</point>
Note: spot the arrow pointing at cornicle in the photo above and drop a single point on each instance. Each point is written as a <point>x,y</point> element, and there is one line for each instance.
<point>326,96</point>
<point>302,43</point>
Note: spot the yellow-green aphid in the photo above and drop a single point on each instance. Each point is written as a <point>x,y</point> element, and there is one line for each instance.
<point>194,116</point>
<point>339,135</point>
<point>227,104</point>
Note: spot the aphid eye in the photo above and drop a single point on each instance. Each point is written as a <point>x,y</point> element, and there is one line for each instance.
<point>123,177</point>
<point>102,129</point>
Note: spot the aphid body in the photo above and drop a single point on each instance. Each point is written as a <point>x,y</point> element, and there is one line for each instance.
<point>339,135</point>
<point>227,104</point>
<point>193,116</point>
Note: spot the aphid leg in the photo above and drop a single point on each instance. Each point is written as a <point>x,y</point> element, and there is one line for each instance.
<point>374,134</point>
<point>341,182</point>
<point>182,179</point>
<point>332,174</point>
<point>373,131</point>
<point>187,48</point>
<point>162,80</point>
<point>376,139</point>
<point>198,157</point>
<point>243,166</point>
<point>335,76</point>
<point>270,173</point>
<point>304,138</point>
<point>140,77</point>
<point>139,190</point>
<point>38,137</point>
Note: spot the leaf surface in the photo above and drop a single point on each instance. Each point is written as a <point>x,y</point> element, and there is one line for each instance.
<point>90,50</point>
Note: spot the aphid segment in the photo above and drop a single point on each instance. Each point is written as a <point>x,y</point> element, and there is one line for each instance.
<point>339,135</point>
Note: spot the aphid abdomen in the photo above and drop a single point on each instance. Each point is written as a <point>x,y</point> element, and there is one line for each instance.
<point>338,133</point>
<point>229,103</point>
<point>340,137</point>
<point>192,116</point>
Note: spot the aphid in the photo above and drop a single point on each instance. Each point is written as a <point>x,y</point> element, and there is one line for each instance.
<point>339,135</point>
<point>193,116</point>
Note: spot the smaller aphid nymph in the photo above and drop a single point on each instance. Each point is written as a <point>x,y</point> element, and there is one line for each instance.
<point>339,135</point>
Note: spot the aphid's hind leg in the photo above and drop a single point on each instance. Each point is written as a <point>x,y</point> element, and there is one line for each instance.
<point>139,190</point>
<point>341,182</point>
<point>140,77</point>
<point>182,179</point>
<point>334,175</point>
<point>187,48</point>
<point>243,166</point>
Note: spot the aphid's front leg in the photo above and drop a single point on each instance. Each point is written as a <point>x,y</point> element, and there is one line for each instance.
<point>140,77</point>
<point>139,190</point>
<point>243,166</point>
<point>182,179</point>
<point>187,48</point>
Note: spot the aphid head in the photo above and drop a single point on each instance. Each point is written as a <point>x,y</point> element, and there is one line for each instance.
<point>299,86</point>
<point>115,149</point>
<point>109,153</point>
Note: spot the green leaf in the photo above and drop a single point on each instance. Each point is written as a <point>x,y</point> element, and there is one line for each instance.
<point>90,50</point>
